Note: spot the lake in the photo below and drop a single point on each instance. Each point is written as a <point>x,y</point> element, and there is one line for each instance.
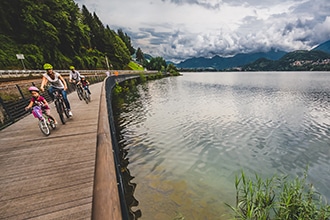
<point>186,138</point>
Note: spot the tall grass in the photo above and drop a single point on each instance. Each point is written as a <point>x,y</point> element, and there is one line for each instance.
<point>278,198</point>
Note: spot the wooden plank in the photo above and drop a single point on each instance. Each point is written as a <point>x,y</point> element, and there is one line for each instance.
<point>50,177</point>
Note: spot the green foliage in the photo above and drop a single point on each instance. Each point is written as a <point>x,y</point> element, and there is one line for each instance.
<point>156,63</point>
<point>127,40</point>
<point>300,60</point>
<point>8,53</point>
<point>171,68</point>
<point>139,56</point>
<point>60,33</point>
<point>134,66</point>
<point>143,78</point>
<point>277,199</point>
<point>117,89</point>
<point>158,75</point>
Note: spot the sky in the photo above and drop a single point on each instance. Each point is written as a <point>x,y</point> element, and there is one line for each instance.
<point>180,29</point>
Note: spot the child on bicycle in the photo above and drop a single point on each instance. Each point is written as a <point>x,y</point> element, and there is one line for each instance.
<point>38,100</point>
<point>85,84</point>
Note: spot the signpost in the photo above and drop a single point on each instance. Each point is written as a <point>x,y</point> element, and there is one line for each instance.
<point>21,57</point>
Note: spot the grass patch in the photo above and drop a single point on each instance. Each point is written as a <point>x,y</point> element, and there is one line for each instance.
<point>134,66</point>
<point>278,198</point>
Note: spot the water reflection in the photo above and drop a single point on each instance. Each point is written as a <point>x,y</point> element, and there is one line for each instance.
<point>122,105</point>
<point>187,137</point>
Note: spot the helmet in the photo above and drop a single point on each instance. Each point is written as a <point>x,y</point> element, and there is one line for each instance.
<point>48,66</point>
<point>33,88</point>
<point>71,67</point>
<point>81,76</point>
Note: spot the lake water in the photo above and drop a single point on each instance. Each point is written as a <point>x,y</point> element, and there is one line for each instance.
<point>186,138</point>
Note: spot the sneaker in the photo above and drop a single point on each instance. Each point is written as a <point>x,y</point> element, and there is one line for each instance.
<point>70,113</point>
<point>55,122</point>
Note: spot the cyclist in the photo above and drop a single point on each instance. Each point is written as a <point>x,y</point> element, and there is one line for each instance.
<point>74,75</point>
<point>56,82</point>
<point>39,100</point>
<point>85,83</point>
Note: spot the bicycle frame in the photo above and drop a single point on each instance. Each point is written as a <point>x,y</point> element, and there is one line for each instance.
<point>60,105</point>
<point>45,122</point>
<point>37,112</point>
<point>79,90</point>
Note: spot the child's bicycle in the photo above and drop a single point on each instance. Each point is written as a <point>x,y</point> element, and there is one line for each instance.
<point>60,105</point>
<point>45,122</point>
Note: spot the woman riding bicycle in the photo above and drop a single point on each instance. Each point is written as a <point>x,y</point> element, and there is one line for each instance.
<point>57,82</point>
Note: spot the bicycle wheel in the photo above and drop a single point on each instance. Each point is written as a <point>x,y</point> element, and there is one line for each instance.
<point>86,96</point>
<point>79,92</point>
<point>44,127</point>
<point>60,109</point>
<point>65,110</point>
<point>51,123</point>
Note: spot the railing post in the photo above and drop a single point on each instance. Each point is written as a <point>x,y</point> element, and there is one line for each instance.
<point>20,91</point>
<point>3,104</point>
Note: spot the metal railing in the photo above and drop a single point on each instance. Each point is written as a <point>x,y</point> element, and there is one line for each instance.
<point>18,97</point>
<point>25,73</point>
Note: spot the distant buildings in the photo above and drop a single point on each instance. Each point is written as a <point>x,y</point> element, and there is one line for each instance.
<point>308,62</point>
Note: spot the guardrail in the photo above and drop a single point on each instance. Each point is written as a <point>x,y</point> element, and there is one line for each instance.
<point>106,201</point>
<point>20,73</point>
<point>12,109</point>
<point>110,190</point>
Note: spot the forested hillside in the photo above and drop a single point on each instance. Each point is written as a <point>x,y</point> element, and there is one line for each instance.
<point>58,32</point>
<point>299,60</point>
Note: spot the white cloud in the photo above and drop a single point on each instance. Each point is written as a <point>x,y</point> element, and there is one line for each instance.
<point>179,29</point>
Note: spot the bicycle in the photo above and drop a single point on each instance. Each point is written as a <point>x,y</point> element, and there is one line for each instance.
<point>60,105</point>
<point>86,96</point>
<point>45,122</point>
<point>80,91</point>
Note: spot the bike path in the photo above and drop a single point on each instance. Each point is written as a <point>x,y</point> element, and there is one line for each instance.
<point>50,177</point>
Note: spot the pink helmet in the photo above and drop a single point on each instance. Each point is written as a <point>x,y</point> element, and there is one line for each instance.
<point>33,88</point>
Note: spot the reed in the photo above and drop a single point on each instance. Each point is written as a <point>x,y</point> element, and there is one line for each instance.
<point>278,198</point>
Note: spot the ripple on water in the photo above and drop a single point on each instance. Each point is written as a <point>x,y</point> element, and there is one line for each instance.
<point>189,136</point>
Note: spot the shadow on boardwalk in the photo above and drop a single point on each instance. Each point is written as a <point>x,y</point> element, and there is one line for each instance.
<point>50,177</point>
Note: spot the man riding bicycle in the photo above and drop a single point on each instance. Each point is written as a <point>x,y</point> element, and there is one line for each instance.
<point>74,75</point>
<point>56,82</point>
<point>74,78</point>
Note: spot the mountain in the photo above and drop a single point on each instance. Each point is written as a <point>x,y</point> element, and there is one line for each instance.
<point>221,63</point>
<point>325,47</point>
<point>300,60</point>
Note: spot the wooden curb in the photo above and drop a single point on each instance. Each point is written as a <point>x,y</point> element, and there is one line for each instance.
<point>106,202</point>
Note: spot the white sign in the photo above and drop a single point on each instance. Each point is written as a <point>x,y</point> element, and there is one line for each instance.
<point>20,56</point>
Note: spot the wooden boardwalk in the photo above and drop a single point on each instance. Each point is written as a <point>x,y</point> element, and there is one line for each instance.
<point>50,177</point>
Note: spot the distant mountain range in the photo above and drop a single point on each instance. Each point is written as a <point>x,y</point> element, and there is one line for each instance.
<point>239,60</point>
<point>299,60</point>
<point>325,47</point>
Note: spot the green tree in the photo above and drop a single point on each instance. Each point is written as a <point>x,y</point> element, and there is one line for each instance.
<point>127,40</point>
<point>57,32</point>
<point>139,55</point>
<point>171,68</point>
<point>157,63</point>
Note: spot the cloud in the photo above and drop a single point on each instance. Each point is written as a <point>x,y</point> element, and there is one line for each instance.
<point>208,4</point>
<point>180,29</point>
